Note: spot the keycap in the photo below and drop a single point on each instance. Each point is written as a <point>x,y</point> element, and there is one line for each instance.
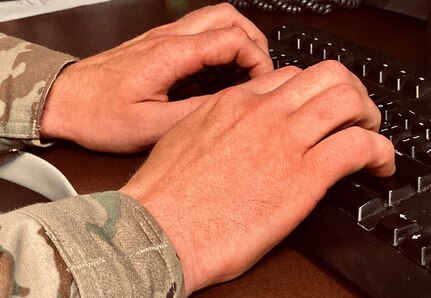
<point>394,133</point>
<point>273,52</point>
<point>404,118</point>
<point>389,108</point>
<point>393,189</point>
<point>322,51</point>
<point>355,199</point>
<point>412,145</point>
<point>417,246</point>
<point>421,128</point>
<point>342,55</point>
<point>300,42</point>
<point>312,44</point>
<point>396,79</point>
<point>393,227</point>
<point>375,97</point>
<point>425,156</point>
<point>283,32</point>
<point>280,60</point>
<point>379,73</point>
<point>417,87</point>
<point>362,67</point>
<point>413,171</point>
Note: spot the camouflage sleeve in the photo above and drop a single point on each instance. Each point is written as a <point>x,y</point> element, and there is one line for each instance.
<point>100,245</point>
<point>26,74</point>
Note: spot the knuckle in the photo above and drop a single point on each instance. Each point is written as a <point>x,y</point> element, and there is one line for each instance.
<point>359,139</point>
<point>151,33</point>
<point>336,69</point>
<point>226,7</point>
<point>167,42</point>
<point>290,71</point>
<point>238,100</point>
<point>237,34</point>
<point>154,32</point>
<point>348,94</point>
<point>228,94</point>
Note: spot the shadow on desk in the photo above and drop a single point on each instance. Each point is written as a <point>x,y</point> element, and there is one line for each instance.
<point>284,272</point>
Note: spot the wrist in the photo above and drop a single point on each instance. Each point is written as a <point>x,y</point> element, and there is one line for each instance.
<point>171,221</point>
<point>53,123</point>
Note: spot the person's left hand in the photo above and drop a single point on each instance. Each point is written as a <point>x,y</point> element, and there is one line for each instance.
<point>238,174</point>
<point>117,101</point>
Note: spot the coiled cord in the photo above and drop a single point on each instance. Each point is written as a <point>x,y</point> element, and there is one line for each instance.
<point>296,6</point>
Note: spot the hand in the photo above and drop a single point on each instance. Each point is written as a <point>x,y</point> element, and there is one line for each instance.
<point>117,101</point>
<point>234,177</point>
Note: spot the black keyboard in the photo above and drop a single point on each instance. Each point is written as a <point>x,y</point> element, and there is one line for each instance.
<point>374,231</point>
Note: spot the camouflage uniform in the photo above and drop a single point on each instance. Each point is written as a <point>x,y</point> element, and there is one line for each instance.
<point>98,245</point>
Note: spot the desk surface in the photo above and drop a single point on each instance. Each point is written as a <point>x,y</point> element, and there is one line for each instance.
<point>84,31</point>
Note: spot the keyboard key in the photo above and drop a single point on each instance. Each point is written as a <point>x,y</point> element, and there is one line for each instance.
<point>314,42</point>
<point>425,156</point>
<point>421,128</point>
<point>394,133</point>
<point>414,172</point>
<point>342,55</point>
<point>393,189</point>
<point>389,108</point>
<point>417,87</point>
<point>417,246</point>
<point>396,80</point>
<point>299,42</point>
<point>412,145</point>
<point>355,199</point>
<point>393,227</point>
<point>280,60</point>
<point>323,51</point>
<point>362,67</point>
<point>282,33</point>
<point>405,119</point>
<point>379,73</point>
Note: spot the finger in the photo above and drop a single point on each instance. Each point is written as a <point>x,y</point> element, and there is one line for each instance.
<point>312,81</point>
<point>216,47</point>
<point>348,151</point>
<point>218,16</point>
<point>161,116</point>
<point>271,81</point>
<point>335,108</point>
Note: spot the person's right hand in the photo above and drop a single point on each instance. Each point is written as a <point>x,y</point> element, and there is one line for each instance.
<point>117,101</point>
<point>233,178</point>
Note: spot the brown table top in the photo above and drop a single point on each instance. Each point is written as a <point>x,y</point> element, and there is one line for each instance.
<point>84,31</point>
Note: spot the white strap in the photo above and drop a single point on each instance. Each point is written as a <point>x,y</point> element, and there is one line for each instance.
<point>36,174</point>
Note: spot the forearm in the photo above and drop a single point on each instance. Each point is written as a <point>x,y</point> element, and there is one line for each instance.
<point>26,75</point>
<point>103,244</point>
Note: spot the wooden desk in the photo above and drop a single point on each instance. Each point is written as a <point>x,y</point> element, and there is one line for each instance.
<point>84,31</point>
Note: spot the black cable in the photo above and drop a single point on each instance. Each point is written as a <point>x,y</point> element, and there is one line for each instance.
<point>296,6</point>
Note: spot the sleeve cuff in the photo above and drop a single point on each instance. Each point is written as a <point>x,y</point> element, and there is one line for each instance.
<point>112,246</point>
<point>26,75</point>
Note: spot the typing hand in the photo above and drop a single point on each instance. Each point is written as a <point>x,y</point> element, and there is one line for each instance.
<point>117,101</point>
<point>233,178</point>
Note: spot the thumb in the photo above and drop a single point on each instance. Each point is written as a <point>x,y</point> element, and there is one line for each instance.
<point>161,116</point>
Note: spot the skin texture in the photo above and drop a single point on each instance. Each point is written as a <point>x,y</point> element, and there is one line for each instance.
<point>120,103</point>
<point>234,172</point>
<point>237,175</point>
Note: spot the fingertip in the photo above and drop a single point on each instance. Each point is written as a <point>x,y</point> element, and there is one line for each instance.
<point>261,69</point>
<point>387,167</point>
